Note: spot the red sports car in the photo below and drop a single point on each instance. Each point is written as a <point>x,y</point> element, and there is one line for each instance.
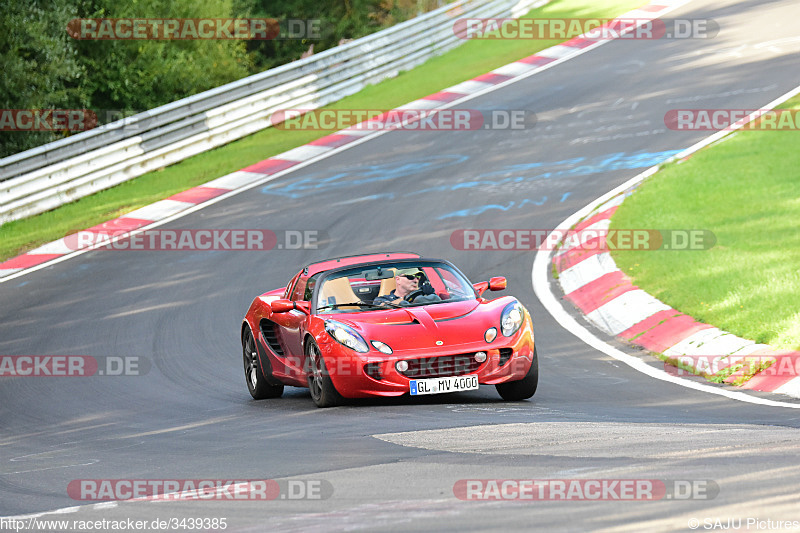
<point>387,325</point>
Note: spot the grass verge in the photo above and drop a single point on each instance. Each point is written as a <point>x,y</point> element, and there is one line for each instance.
<point>746,190</point>
<point>465,62</point>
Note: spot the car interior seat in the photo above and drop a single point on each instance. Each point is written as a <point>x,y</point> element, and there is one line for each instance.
<point>337,291</point>
<point>387,285</point>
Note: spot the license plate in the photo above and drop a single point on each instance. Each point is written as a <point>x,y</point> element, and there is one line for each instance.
<point>442,385</point>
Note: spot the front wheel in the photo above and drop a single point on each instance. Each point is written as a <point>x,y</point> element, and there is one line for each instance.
<point>256,381</point>
<point>323,392</point>
<point>524,388</point>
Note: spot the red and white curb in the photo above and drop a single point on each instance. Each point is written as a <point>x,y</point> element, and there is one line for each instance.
<point>608,299</point>
<point>606,296</point>
<point>189,201</point>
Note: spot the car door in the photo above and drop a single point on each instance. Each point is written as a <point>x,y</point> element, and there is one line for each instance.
<point>292,328</point>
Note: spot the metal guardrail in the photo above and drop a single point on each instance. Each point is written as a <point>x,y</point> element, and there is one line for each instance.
<point>60,172</point>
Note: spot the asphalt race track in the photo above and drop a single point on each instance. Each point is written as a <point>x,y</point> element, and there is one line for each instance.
<point>393,464</point>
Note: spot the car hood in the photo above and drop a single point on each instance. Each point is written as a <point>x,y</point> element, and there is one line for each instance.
<point>413,328</point>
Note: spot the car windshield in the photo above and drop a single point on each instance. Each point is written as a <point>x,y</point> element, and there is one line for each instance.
<point>370,287</point>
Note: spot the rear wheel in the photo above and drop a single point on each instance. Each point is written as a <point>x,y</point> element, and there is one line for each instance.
<point>323,392</point>
<point>256,380</point>
<point>524,388</point>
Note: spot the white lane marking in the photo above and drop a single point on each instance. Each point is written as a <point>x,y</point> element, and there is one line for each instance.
<point>541,286</point>
<point>586,272</point>
<point>750,348</point>
<point>233,180</point>
<point>422,103</point>
<point>711,341</point>
<point>516,69</point>
<point>579,238</point>
<point>104,505</point>
<point>59,246</point>
<point>792,388</point>
<point>625,311</point>
<point>301,153</point>
<point>91,462</point>
<point>558,51</point>
<point>468,87</point>
<point>162,208</point>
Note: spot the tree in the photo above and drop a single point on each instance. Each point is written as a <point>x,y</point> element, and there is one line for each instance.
<point>41,69</point>
<point>46,68</point>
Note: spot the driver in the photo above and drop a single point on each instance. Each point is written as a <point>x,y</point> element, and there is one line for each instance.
<point>406,283</point>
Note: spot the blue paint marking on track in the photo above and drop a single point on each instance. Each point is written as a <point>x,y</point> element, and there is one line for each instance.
<point>321,182</point>
<point>474,211</point>
<point>575,167</point>
<point>580,166</point>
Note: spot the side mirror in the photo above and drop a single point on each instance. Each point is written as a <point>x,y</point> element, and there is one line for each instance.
<point>284,305</point>
<point>497,283</point>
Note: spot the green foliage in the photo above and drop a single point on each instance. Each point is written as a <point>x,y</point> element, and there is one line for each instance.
<point>45,68</point>
<point>136,75</point>
<point>339,20</point>
<point>41,69</point>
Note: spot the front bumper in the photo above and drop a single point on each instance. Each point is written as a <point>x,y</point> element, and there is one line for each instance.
<point>352,380</point>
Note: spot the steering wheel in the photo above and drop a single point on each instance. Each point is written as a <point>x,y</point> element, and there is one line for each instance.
<point>411,296</point>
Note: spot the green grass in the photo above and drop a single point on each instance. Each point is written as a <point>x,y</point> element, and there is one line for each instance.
<point>746,190</point>
<point>465,62</point>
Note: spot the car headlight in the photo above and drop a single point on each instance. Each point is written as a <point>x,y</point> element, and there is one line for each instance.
<point>511,319</point>
<point>346,335</point>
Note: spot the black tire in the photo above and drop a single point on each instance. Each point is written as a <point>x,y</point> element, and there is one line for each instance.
<point>257,383</point>
<point>524,388</point>
<point>323,392</point>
